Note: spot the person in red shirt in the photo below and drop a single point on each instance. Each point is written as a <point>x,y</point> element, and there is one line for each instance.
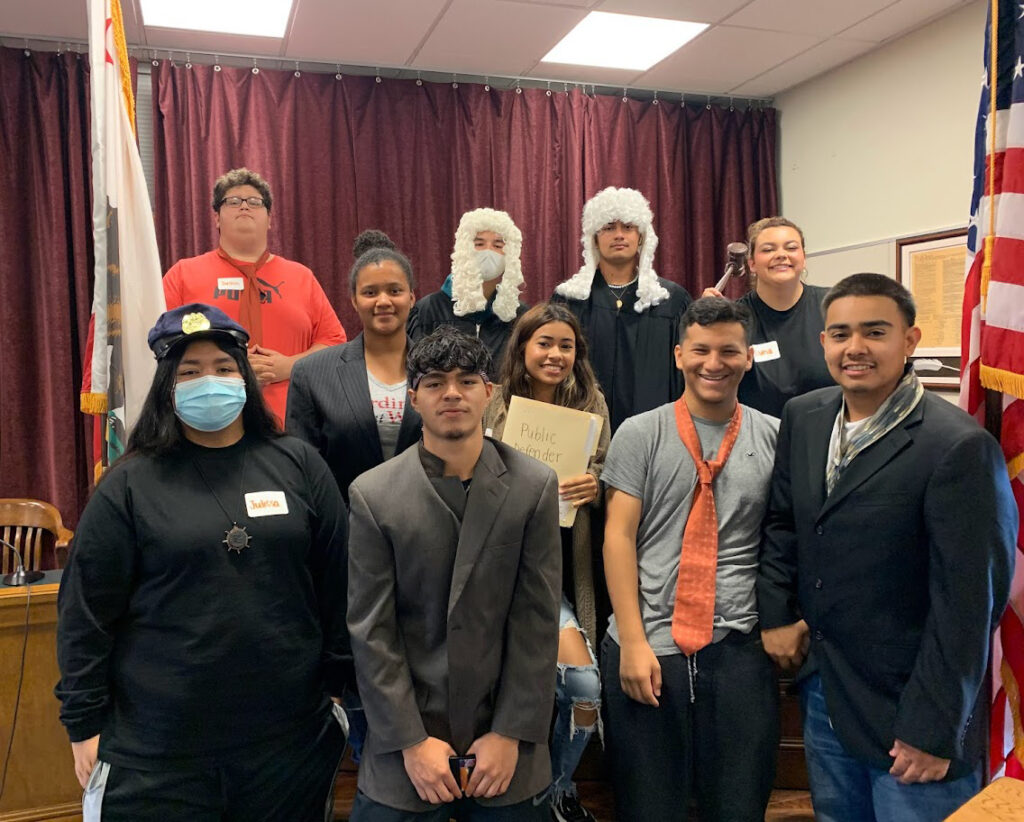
<point>278,301</point>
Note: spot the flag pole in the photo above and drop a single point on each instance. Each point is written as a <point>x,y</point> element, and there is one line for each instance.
<point>993,399</point>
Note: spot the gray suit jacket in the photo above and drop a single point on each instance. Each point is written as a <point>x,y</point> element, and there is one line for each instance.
<point>457,651</point>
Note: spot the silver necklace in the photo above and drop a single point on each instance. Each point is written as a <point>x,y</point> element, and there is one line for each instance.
<point>236,537</point>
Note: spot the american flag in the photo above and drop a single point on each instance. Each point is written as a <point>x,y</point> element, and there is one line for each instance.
<point>993,332</point>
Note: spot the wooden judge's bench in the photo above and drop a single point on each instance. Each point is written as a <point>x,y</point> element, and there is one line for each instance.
<point>41,783</point>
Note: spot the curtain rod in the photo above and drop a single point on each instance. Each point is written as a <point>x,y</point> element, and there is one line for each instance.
<point>509,82</point>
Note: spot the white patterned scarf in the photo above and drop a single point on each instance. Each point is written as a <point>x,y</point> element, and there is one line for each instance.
<point>890,413</point>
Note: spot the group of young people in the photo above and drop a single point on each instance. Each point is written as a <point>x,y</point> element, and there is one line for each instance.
<point>237,597</point>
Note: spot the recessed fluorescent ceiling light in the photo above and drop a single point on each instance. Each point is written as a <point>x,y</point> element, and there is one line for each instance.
<point>255,18</point>
<point>622,41</point>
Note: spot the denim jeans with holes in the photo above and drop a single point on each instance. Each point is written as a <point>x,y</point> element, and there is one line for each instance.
<point>576,686</point>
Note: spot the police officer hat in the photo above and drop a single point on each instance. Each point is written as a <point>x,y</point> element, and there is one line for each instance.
<point>195,321</point>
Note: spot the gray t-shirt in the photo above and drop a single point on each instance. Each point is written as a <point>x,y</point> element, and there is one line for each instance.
<point>647,460</point>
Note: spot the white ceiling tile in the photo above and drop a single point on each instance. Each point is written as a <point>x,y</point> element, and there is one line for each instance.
<point>900,18</point>
<point>821,17</point>
<point>583,4</point>
<point>723,57</point>
<point>45,18</point>
<point>508,37</point>
<point>495,36</point>
<point>181,40</point>
<point>384,32</point>
<point>585,74</point>
<point>696,11</point>
<point>833,52</point>
<point>132,16</point>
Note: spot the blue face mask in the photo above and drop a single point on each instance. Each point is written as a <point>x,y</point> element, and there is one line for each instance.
<point>209,403</point>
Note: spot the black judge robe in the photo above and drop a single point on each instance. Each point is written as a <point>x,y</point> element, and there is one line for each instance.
<point>632,354</point>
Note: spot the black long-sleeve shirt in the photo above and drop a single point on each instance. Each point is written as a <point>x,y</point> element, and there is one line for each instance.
<point>175,649</point>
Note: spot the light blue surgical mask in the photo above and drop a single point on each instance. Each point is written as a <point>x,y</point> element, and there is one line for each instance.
<point>209,403</point>
<point>491,264</point>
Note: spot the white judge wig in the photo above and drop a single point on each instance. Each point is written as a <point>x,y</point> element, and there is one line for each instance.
<point>626,205</point>
<point>467,282</point>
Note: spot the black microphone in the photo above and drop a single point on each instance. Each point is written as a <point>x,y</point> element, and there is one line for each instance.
<point>736,265</point>
<point>20,575</point>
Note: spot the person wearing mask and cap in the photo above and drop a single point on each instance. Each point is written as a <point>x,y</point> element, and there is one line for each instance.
<point>629,314</point>
<point>481,295</point>
<point>201,617</point>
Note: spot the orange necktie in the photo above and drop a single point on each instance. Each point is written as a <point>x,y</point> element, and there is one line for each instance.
<point>250,314</point>
<point>694,610</point>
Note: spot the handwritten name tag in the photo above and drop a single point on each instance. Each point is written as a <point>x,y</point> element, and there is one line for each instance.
<point>763,352</point>
<point>231,283</point>
<point>266,504</point>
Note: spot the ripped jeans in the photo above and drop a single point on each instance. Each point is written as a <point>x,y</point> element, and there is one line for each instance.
<point>576,686</point>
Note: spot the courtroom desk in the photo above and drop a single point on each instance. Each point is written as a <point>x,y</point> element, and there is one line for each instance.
<point>41,783</point>
<point>1001,801</point>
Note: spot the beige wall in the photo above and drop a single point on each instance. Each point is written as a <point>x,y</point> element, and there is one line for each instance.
<point>883,147</point>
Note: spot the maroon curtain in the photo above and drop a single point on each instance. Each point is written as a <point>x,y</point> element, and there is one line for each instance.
<point>349,154</point>
<point>45,277</point>
<point>342,155</point>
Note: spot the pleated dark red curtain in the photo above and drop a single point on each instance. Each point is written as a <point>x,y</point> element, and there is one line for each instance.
<point>342,155</point>
<point>347,154</point>
<point>45,276</point>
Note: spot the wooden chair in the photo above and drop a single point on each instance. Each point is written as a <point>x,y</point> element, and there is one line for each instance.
<point>25,523</point>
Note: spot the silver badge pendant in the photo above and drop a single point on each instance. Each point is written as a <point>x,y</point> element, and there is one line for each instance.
<point>236,539</point>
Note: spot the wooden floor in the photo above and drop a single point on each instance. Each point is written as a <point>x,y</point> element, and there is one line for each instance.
<point>785,806</point>
<point>789,806</point>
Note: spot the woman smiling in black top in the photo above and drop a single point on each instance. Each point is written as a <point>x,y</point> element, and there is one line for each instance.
<point>788,322</point>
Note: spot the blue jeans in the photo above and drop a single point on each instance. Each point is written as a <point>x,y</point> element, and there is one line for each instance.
<point>353,706</point>
<point>844,789</point>
<point>576,685</point>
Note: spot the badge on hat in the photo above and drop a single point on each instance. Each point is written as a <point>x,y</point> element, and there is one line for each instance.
<point>191,323</point>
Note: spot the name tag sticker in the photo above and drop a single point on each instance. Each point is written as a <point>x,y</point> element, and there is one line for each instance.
<point>763,352</point>
<point>231,283</point>
<point>266,504</point>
